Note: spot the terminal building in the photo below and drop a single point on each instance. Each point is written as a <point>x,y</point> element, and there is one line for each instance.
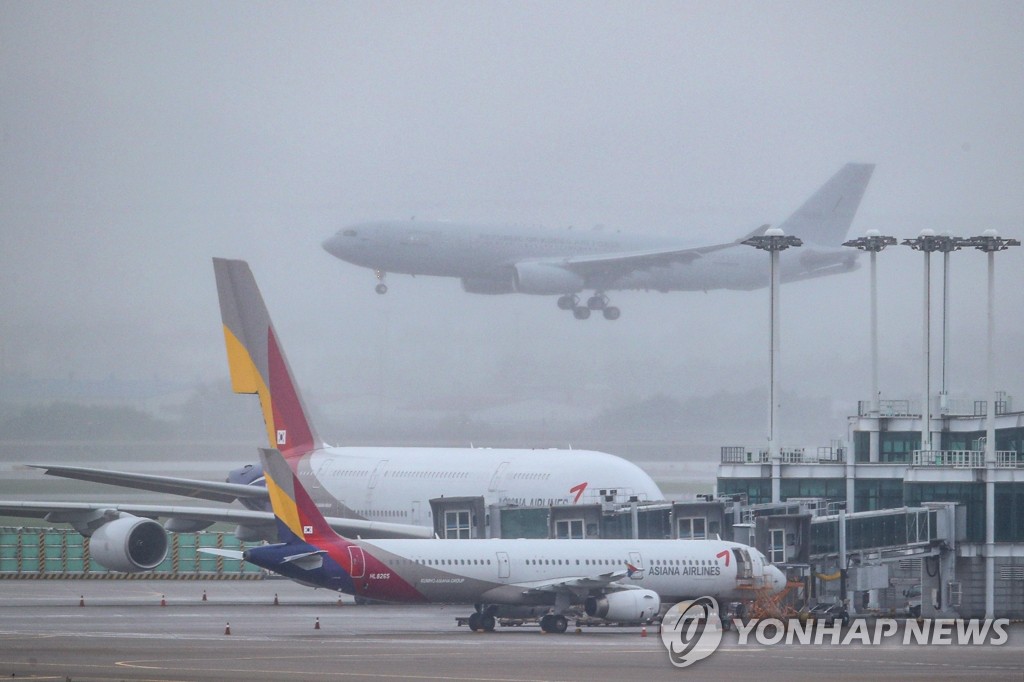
<point>882,473</point>
<point>873,519</point>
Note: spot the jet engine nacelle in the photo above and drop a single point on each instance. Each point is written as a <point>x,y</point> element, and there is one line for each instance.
<point>486,285</point>
<point>129,544</point>
<point>625,606</point>
<point>546,279</point>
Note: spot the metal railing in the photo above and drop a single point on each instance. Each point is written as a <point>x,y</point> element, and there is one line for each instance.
<point>951,406</point>
<point>964,459</point>
<point>739,454</point>
<point>888,408</point>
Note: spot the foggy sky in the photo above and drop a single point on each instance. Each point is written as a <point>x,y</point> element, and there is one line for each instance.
<point>138,140</point>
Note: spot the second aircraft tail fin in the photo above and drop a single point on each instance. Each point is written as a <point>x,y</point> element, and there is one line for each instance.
<point>298,518</point>
<point>257,361</point>
<point>826,217</point>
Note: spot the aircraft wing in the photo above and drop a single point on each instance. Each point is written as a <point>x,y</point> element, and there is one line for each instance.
<point>578,584</point>
<point>197,518</point>
<point>187,487</point>
<point>625,262</point>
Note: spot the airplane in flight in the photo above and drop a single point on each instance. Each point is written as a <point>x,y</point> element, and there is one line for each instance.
<point>370,492</point>
<point>617,580</point>
<point>504,259</point>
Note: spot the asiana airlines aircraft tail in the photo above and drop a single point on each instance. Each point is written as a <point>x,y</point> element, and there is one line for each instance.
<point>618,580</point>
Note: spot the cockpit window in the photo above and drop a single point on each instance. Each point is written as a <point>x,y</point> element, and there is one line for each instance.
<point>349,233</point>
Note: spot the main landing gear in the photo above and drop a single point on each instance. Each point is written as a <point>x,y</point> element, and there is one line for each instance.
<point>555,623</point>
<point>481,621</point>
<point>596,302</point>
<point>381,287</point>
<point>484,618</point>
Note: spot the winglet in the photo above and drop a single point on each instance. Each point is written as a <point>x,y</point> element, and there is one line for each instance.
<point>826,217</point>
<point>257,362</point>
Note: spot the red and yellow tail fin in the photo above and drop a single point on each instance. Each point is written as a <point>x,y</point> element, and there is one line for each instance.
<point>295,512</point>
<point>257,362</point>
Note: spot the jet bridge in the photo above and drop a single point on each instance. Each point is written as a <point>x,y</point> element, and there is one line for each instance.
<point>863,552</point>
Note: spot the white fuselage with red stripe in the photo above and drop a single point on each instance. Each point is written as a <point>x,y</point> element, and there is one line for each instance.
<point>532,571</point>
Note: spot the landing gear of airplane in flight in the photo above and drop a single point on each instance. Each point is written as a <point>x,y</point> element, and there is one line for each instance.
<point>568,302</point>
<point>553,622</point>
<point>596,302</point>
<point>381,287</point>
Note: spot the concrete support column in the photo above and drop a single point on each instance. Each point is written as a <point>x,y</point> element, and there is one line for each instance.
<point>851,479</point>
<point>776,480</point>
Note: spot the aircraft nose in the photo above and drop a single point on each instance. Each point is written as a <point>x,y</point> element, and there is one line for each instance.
<point>331,244</point>
<point>346,242</point>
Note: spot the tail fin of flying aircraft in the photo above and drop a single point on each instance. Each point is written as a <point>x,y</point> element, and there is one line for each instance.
<point>257,361</point>
<point>826,217</point>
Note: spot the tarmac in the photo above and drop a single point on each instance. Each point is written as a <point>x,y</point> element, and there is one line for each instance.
<point>164,630</point>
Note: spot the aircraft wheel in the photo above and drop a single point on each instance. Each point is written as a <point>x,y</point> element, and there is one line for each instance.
<point>611,313</point>
<point>568,302</point>
<point>381,288</point>
<point>581,312</point>
<point>474,621</point>
<point>487,622</point>
<point>597,302</point>
<point>545,622</point>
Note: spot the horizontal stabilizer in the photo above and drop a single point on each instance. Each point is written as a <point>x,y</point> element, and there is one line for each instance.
<point>218,551</point>
<point>307,561</point>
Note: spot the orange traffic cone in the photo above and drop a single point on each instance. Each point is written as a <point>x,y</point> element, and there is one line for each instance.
<point>81,600</point>
<point>227,629</point>
<point>204,595</point>
<point>317,625</point>
<point>643,631</point>
<point>275,599</point>
<point>163,600</point>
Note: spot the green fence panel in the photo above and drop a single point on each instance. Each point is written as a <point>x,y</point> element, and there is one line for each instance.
<point>55,552</point>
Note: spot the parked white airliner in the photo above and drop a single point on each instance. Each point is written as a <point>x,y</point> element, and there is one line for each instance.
<point>618,580</point>
<point>504,259</point>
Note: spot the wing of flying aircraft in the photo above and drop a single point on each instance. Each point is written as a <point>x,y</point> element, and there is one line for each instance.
<point>615,265</point>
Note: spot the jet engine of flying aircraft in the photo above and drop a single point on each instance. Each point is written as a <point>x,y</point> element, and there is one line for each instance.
<point>370,492</point>
<point>496,259</point>
<point>619,580</point>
